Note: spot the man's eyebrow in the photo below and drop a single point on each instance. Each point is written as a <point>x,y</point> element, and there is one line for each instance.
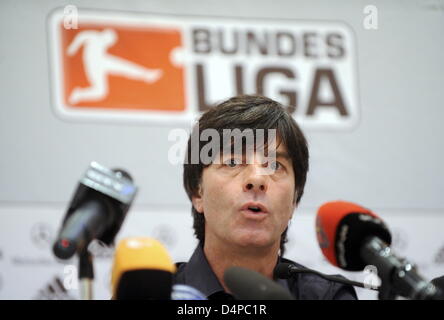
<point>280,154</point>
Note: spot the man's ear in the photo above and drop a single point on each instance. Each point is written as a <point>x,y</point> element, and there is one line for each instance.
<point>198,201</point>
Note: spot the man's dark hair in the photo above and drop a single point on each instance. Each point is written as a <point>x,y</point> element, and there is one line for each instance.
<point>248,112</point>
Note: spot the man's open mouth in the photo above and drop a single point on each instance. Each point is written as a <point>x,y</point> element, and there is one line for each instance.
<point>254,207</point>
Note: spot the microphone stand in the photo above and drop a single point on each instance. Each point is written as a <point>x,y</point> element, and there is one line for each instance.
<point>86,275</point>
<point>336,279</point>
<point>292,270</point>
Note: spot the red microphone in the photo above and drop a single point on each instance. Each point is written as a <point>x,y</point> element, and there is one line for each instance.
<point>342,229</point>
<point>351,237</point>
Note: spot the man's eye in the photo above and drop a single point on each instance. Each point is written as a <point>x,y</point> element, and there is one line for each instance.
<point>232,163</point>
<point>275,165</point>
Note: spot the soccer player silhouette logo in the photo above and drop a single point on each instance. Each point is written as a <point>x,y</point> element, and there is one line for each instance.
<point>98,64</point>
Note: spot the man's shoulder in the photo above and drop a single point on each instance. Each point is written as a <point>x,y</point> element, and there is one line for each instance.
<point>304,286</point>
<point>310,286</point>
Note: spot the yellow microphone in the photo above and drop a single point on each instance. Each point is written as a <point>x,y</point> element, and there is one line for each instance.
<point>142,270</point>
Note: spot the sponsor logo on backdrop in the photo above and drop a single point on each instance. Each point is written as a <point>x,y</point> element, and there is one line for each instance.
<point>42,235</point>
<point>118,66</point>
<point>54,290</point>
<point>33,261</point>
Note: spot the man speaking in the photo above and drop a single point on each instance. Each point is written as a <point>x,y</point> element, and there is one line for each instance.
<point>244,185</point>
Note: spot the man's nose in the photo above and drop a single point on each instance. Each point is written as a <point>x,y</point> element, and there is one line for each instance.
<point>254,181</point>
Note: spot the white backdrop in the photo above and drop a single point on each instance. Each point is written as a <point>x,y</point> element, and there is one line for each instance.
<point>30,271</point>
<point>389,161</point>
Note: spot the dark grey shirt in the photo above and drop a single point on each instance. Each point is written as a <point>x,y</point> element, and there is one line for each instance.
<point>198,274</point>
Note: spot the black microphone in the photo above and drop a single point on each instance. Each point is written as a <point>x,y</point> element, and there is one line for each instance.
<point>352,237</point>
<point>285,270</point>
<point>439,283</point>
<point>250,285</point>
<point>97,210</point>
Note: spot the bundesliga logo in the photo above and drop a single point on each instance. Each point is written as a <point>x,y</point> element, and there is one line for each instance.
<point>169,69</point>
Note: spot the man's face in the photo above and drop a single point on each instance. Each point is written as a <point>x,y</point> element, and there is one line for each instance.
<point>231,190</point>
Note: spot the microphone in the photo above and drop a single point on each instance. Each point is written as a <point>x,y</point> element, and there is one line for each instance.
<point>142,270</point>
<point>184,292</point>
<point>439,283</point>
<point>352,237</point>
<point>97,210</point>
<point>285,270</point>
<point>250,285</point>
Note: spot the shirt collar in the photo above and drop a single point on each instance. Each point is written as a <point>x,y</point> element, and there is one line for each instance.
<point>199,275</point>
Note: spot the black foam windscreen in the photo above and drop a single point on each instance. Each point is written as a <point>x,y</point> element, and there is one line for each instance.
<point>352,232</point>
<point>145,285</point>
<point>250,285</point>
<point>439,283</point>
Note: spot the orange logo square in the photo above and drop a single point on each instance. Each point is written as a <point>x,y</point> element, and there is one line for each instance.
<point>121,68</point>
